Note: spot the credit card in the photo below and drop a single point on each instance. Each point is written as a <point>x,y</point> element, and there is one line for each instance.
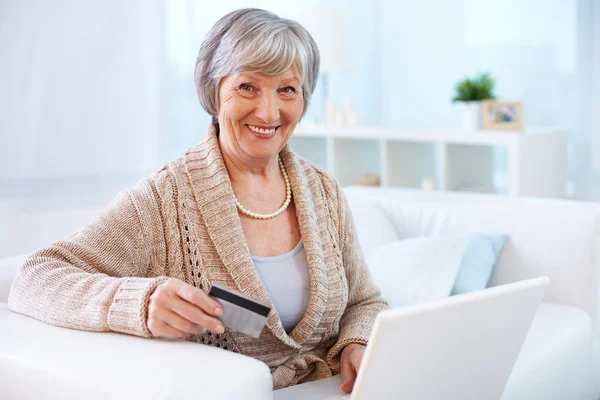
<point>240,312</point>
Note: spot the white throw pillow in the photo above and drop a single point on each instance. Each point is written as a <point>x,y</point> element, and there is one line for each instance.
<point>416,270</point>
<point>373,226</point>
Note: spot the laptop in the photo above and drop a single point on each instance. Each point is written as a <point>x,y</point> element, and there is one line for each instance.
<point>462,347</point>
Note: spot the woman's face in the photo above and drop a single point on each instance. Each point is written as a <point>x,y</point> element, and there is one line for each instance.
<point>258,113</point>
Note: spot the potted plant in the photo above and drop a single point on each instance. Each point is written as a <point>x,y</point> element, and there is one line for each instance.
<point>469,95</point>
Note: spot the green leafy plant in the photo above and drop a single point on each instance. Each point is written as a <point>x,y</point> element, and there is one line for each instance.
<point>480,88</point>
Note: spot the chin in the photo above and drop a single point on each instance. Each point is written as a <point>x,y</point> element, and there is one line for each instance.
<point>261,148</point>
<point>262,152</point>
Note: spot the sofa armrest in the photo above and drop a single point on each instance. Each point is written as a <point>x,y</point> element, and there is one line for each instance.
<point>121,365</point>
<point>8,269</point>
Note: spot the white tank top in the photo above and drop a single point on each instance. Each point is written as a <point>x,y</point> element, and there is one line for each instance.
<point>286,279</point>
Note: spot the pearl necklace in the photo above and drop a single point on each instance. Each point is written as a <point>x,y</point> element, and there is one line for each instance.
<point>286,203</point>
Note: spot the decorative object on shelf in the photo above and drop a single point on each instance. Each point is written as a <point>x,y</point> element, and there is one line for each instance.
<point>340,116</point>
<point>329,29</point>
<point>350,117</point>
<point>507,115</point>
<point>369,180</point>
<point>428,184</point>
<point>330,112</point>
<point>469,95</point>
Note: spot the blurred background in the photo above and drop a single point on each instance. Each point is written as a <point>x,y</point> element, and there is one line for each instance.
<point>98,94</point>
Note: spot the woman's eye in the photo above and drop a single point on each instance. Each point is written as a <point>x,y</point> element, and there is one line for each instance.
<point>288,90</point>
<point>245,87</point>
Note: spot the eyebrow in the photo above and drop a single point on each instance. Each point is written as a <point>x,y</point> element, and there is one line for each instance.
<point>253,77</point>
<point>289,80</point>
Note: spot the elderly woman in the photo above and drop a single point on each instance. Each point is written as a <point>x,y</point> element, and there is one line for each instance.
<point>240,209</point>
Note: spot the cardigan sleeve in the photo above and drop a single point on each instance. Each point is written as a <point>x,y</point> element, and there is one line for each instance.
<point>96,279</point>
<point>364,297</point>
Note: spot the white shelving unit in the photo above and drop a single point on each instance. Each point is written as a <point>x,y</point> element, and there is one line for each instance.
<point>536,158</point>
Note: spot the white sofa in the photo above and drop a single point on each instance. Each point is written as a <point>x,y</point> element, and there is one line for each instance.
<point>560,358</point>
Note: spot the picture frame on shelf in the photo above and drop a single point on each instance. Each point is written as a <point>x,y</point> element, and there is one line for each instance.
<point>503,115</point>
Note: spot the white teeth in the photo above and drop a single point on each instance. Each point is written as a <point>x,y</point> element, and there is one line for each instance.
<point>261,130</point>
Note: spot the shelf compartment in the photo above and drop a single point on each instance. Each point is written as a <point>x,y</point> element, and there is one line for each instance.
<point>470,168</point>
<point>313,149</point>
<point>408,163</point>
<point>355,157</point>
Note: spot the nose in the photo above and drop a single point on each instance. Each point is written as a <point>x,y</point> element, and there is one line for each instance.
<point>268,108</point>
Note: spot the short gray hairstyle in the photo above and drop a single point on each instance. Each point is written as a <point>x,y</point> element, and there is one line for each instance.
<point>251,39</point>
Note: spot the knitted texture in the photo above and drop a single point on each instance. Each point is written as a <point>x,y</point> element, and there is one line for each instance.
<point>182,222</point>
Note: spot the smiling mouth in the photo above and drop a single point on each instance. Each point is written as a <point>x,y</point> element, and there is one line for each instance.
<point>263,130</point>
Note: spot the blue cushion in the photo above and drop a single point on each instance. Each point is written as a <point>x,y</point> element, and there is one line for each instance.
<point>478,262</point>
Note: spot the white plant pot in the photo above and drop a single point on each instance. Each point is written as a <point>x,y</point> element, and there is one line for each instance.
<point>470,115</point>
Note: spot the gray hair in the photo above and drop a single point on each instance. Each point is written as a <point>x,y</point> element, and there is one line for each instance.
<point>251,39</point>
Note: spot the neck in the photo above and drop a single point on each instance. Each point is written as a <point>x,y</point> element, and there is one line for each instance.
<point>250,173</point>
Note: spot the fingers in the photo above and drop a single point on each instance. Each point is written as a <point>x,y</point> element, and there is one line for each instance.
<point>348,385</point>
<point>162,329</point>
<point>193,314</point>
<point>348,375</point>
<point>171,314</point>
<point>198,298</point>
<point>164,322</point>
<point>180,323</point>
<point>350,361</point>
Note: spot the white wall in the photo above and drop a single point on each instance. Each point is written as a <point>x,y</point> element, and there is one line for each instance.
<point>595,129</point>
<point>360,81</point>
<point>104,89</point>
<point>82,90</point>
<point>533,48</point>
<point>427,46</point>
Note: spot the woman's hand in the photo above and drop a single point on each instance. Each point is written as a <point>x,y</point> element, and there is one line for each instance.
<point>350,362</point>
<point>179,310</point>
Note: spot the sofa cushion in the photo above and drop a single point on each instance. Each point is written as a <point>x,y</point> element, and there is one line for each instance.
<point>416,270</point>
<point>478,262</point>
<point>555,361</point>
<point>373,225</point>
<point>425,269</point>
<point>8,269</point>
<point>23,379</point>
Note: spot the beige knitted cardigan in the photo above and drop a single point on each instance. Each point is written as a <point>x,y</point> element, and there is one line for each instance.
<point>182,222</point>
